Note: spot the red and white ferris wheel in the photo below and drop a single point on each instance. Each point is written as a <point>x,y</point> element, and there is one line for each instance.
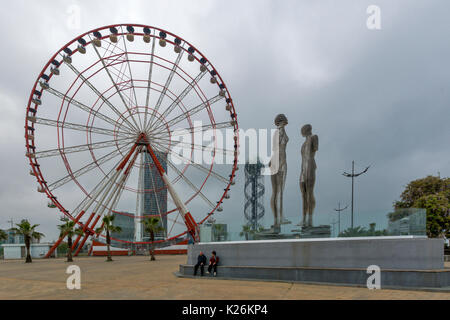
<point>101,129</point>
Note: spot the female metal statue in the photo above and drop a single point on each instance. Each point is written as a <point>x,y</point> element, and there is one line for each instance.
<point>308,173</point>
<point>279,170</point>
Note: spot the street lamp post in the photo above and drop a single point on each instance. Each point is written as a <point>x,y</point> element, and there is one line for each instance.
<point>353,175</point>
<point>339,209</point>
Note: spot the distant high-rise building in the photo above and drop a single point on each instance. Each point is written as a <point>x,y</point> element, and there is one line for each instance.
<point>125,221</point>
<point>153,200</point>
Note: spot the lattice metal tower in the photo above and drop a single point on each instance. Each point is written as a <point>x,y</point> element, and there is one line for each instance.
<point>254,192</point>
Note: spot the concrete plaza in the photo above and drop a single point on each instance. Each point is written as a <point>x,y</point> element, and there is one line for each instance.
<point>139,278</point>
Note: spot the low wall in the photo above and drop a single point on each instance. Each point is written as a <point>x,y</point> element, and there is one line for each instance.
<point>396,253</point>
<point>18,251</point>
<point>419,279</point>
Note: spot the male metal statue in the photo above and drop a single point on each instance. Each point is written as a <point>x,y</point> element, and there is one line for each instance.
<point>308,174</point>
<point>279,170</point>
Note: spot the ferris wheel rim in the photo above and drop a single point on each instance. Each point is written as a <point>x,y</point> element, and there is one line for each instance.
<point>30,145</point>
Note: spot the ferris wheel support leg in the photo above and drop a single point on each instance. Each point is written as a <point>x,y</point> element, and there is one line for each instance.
<point>113,194</point>
<point>85,225</point>
<point>57,243</point>
<point>87,234</point>
<point>97,194</point>
<point>115,187</point>
<point>90,250</point>
<point>185,214</point>
<point>95,237</point>
<point>110,183</point>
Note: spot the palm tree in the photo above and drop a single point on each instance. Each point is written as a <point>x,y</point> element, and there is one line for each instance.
<point>68,229</point>
<point>152,226</point>
<point>29,233</point>
<point>354,232</point>
<point>3,235</point>
<point>109,227</point>
<point>246,230</point>
<point>219,232</point>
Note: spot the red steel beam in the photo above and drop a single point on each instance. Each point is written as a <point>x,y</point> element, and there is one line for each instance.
<point>57,243</point>
<point>86,236</point>
<point>96,235</point>
<point>84,229</point>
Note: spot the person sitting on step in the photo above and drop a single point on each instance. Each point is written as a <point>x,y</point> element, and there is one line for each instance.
<point>213,261</point>
<point>201,261</point>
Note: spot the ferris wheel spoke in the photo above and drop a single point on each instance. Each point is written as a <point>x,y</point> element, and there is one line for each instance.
<point>79,148</point>
<point>81,106</point>
<point>88,196</point>
<point>150,73</point>
<point>93,197</point>
<point>80,127</point>
<point>191,185</point>
<point>115,85</point>
<point>174,222</point>
<point>191,112</point>
<point>106,184</point>
<point>119,73</point>
<point>123,182</point>
<point>199,147</point>
<point>182,95</point>
<point>166,87</point>
<point>85,169</point>
<point>195,165</point>
<point>121,77</point>
<point>131,77</point>
<point>182,131</point>
<point>101,204</point>
<point>106,101</point>
<point>119,193</point>
<point>116,189</point>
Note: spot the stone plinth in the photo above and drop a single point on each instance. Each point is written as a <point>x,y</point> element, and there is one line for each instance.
<point>405,261</point>
<point>401,253</point>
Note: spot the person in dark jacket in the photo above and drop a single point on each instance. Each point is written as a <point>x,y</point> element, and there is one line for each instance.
<point>201,261</point>
<point>213,261</point>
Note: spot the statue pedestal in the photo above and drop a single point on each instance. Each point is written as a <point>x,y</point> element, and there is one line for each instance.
<point>405,261</point>
<point>323,231</point>
<point>268,235</point>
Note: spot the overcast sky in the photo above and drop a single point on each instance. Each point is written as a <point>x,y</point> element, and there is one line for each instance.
<point>379,97</point>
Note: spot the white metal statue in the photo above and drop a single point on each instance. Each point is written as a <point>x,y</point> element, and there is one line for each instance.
<point>279,170</point>
<point>308,174</point>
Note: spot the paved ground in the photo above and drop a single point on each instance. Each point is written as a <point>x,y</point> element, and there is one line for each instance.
<point>139,278</point>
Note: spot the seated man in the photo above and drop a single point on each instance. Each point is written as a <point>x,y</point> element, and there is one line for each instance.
<point>201,261</point>
<point>213,261</point>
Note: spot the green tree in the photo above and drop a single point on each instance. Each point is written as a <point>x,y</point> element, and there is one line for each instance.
<point>152,226</point>
<point>219,232</point>
<point>433,194</point>
<point>3,235</point>
<point>108,226</point>
<point>68,229</point>
<point>363,232</point>
<point>29,233</point>
<point>63,248</point>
